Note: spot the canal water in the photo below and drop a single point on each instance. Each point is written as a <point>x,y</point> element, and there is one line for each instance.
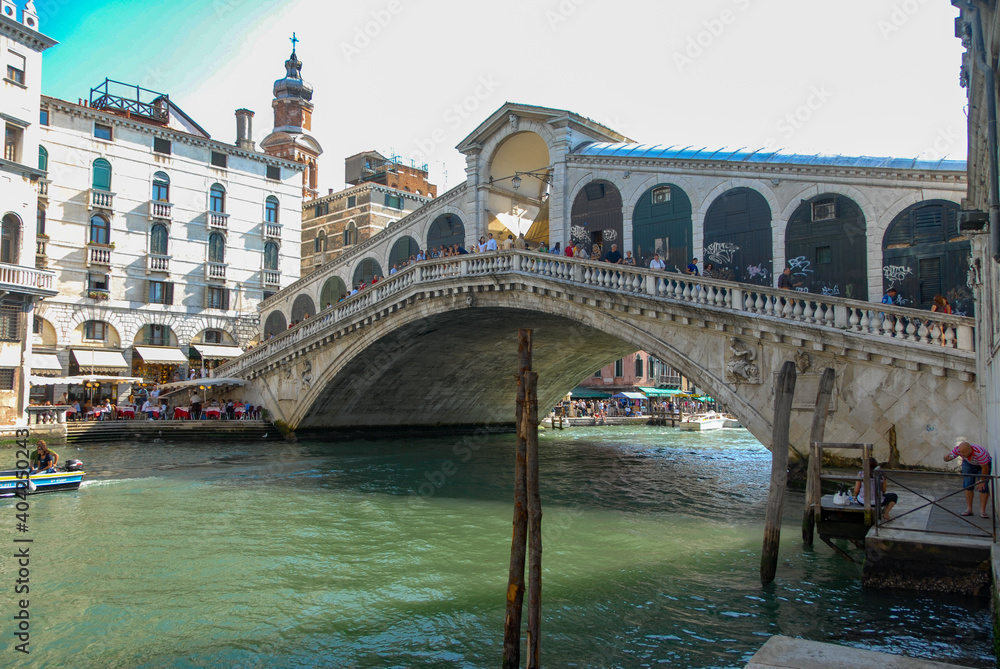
<point>395,554</point>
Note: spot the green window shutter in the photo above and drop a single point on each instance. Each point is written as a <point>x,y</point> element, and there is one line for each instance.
<point>225,299</point>
<point>168,293</point>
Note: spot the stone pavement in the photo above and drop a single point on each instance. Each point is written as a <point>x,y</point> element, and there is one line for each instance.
<point>782,652</point>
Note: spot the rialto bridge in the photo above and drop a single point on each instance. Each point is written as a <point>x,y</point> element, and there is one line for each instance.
<point>435,345</point>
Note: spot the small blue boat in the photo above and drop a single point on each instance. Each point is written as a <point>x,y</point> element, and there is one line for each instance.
<point>68,478</point>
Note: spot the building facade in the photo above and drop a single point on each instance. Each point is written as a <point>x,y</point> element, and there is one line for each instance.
<point>164,239</point>
<point>978,26</point>
<point>633,373</point>
<point>380,191</point>
<point>21,284</point>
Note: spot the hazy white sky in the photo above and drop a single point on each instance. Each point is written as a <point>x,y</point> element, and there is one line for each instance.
<point>852,77</point>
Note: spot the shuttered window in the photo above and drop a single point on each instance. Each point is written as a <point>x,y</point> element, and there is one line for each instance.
<point>160,292</point>
<point>930,279</point>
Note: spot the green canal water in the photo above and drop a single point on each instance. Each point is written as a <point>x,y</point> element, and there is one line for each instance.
<point>395,554</point>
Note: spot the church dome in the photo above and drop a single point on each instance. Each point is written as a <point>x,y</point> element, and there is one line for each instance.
<point>292,85</point>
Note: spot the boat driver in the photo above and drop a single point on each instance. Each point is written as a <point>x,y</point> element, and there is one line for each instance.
<point>43,460</point>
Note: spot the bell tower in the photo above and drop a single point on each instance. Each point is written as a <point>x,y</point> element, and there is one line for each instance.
<point>293,109</point>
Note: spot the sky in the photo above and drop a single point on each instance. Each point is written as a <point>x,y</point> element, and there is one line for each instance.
<point>851,77</point>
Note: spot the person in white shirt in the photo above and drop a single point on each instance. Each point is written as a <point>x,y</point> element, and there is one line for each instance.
<point>491,244</point>
<point>580,251</point>
<point>656,263</point>
<point>148,408</point>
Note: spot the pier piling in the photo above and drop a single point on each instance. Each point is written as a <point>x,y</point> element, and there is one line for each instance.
<point>813,491</point>
<point>784,392</point>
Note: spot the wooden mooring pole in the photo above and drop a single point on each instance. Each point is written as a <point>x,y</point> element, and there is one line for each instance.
<point>783,394</point>
<point>814,492</point>
<point>534,517</point>
<point>518,545</point>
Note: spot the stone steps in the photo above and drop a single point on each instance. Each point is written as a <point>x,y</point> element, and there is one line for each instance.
<point>201,430</point>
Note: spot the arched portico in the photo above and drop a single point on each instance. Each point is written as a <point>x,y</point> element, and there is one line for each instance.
<point>738,237</point>
<point>517,186</point>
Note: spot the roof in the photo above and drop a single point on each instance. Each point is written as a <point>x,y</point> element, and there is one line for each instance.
<point>501,116</point>
<point>760,156</point>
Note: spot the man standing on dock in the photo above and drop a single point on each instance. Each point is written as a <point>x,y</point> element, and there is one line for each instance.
<point>975,461</point>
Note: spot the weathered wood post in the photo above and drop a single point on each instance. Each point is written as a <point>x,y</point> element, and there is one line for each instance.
<point>783,393</point>
<point>814,492</point>
<point>534,517</point>
<point>515,579</point>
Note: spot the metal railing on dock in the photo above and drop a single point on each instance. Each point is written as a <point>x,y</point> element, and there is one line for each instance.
<point>966,527</point>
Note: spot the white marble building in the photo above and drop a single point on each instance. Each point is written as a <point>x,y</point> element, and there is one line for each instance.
<point>164,240</point>
<point>21,285</point>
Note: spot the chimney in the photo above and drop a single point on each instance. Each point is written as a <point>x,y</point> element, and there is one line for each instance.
<point>244,129</point>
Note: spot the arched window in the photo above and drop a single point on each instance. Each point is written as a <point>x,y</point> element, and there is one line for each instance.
<point>10,239</point>
<point>102,175</point>
<point>319,244</point>
<point>351,234</point>
<point>216,248</point>
<point>43,159</point>
<point>271,256</point>
<point>217,199</point>
<point>158,240</point>
<point>638,366</point>
<point>271,209</point>
<point>100,230</point>
<point>40,221</point>
<point>161,187</point>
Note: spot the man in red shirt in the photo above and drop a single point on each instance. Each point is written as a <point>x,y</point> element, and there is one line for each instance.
<point>975,462</point>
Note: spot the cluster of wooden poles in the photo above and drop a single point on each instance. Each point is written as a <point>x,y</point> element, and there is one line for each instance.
<point>527,533</point>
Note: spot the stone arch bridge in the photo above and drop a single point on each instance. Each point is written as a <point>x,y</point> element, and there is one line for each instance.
<point>435,346</point>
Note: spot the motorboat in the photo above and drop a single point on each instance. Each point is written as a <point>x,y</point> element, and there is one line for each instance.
<point>64,478</point>
<point>733,422</point>
<point>703,421</point>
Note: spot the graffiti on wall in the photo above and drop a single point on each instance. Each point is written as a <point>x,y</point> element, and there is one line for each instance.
<point>800,266</point>
<point>894,274</point>
<point>755,271</point>
<point>721,252</point>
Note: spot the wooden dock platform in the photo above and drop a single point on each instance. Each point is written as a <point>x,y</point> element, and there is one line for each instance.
<point>193,430</point>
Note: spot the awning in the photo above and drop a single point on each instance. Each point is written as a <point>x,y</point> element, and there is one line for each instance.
<point>160,355</point>
<point>629,396</point>
<point>584,393</point>
<point>94,361</point>
<point>45,364</point>
<point>80,380</point>
<point>660,392</point>
<point>166,388</point>
<point>215,352</point>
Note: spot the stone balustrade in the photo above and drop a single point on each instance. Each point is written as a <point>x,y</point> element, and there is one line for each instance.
<point>15,277</point>
<point>102,199</point>
<point>47,415</point>
<point>98,254</point>
<point>157,263</point>
<point>902,324</point>
<point>161,210</point>
<point>272,278</point>
<point>218,220</point>
<point>272,230</point>
<point>215,270</point>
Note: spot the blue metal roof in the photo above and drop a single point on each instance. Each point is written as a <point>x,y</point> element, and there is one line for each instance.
<point>742,155</point>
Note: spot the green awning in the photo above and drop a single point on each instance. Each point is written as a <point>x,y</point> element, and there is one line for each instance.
<point>661,392</point>
<point>704,398</point>
<point>584,393</point>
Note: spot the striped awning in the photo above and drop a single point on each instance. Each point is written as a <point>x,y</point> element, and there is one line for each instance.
<point>45,364</point>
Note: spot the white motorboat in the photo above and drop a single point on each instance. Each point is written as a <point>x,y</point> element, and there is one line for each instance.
<point>703,421</point>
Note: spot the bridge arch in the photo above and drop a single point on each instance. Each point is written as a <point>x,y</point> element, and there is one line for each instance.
<point>519,178</point>
<point>274,324</point>
<point>333,289</point>
<point>924,254</point>
<point>826,244</point>
<point>597,215</point>
<point>402,249</point>
<point>737,237</point>
<point>446,229</point>
<point>365,271</point>
<point>303,307</point>
<point>661,223</point>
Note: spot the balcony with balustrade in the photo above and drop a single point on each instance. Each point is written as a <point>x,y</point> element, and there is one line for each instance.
<point>271,278</point>
<point>99,254</point>
<point>215,270</point>
<point>157,263</point>
<point>272,231</point>
<point>28,280</point>
<point>218,220</point>
<point>41,251</point>
<point>43,189</point>
<point>162,211</point>
<point>101,199</point>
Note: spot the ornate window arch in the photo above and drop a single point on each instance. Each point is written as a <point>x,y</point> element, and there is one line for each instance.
<point>271,257</point>
<point>217,199</point>
<point>100,230</point>
<point>216,248</point>
<point>101,175</point>
<point>271,209</point>
<point>161,187</point>
<point>159,239</point>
